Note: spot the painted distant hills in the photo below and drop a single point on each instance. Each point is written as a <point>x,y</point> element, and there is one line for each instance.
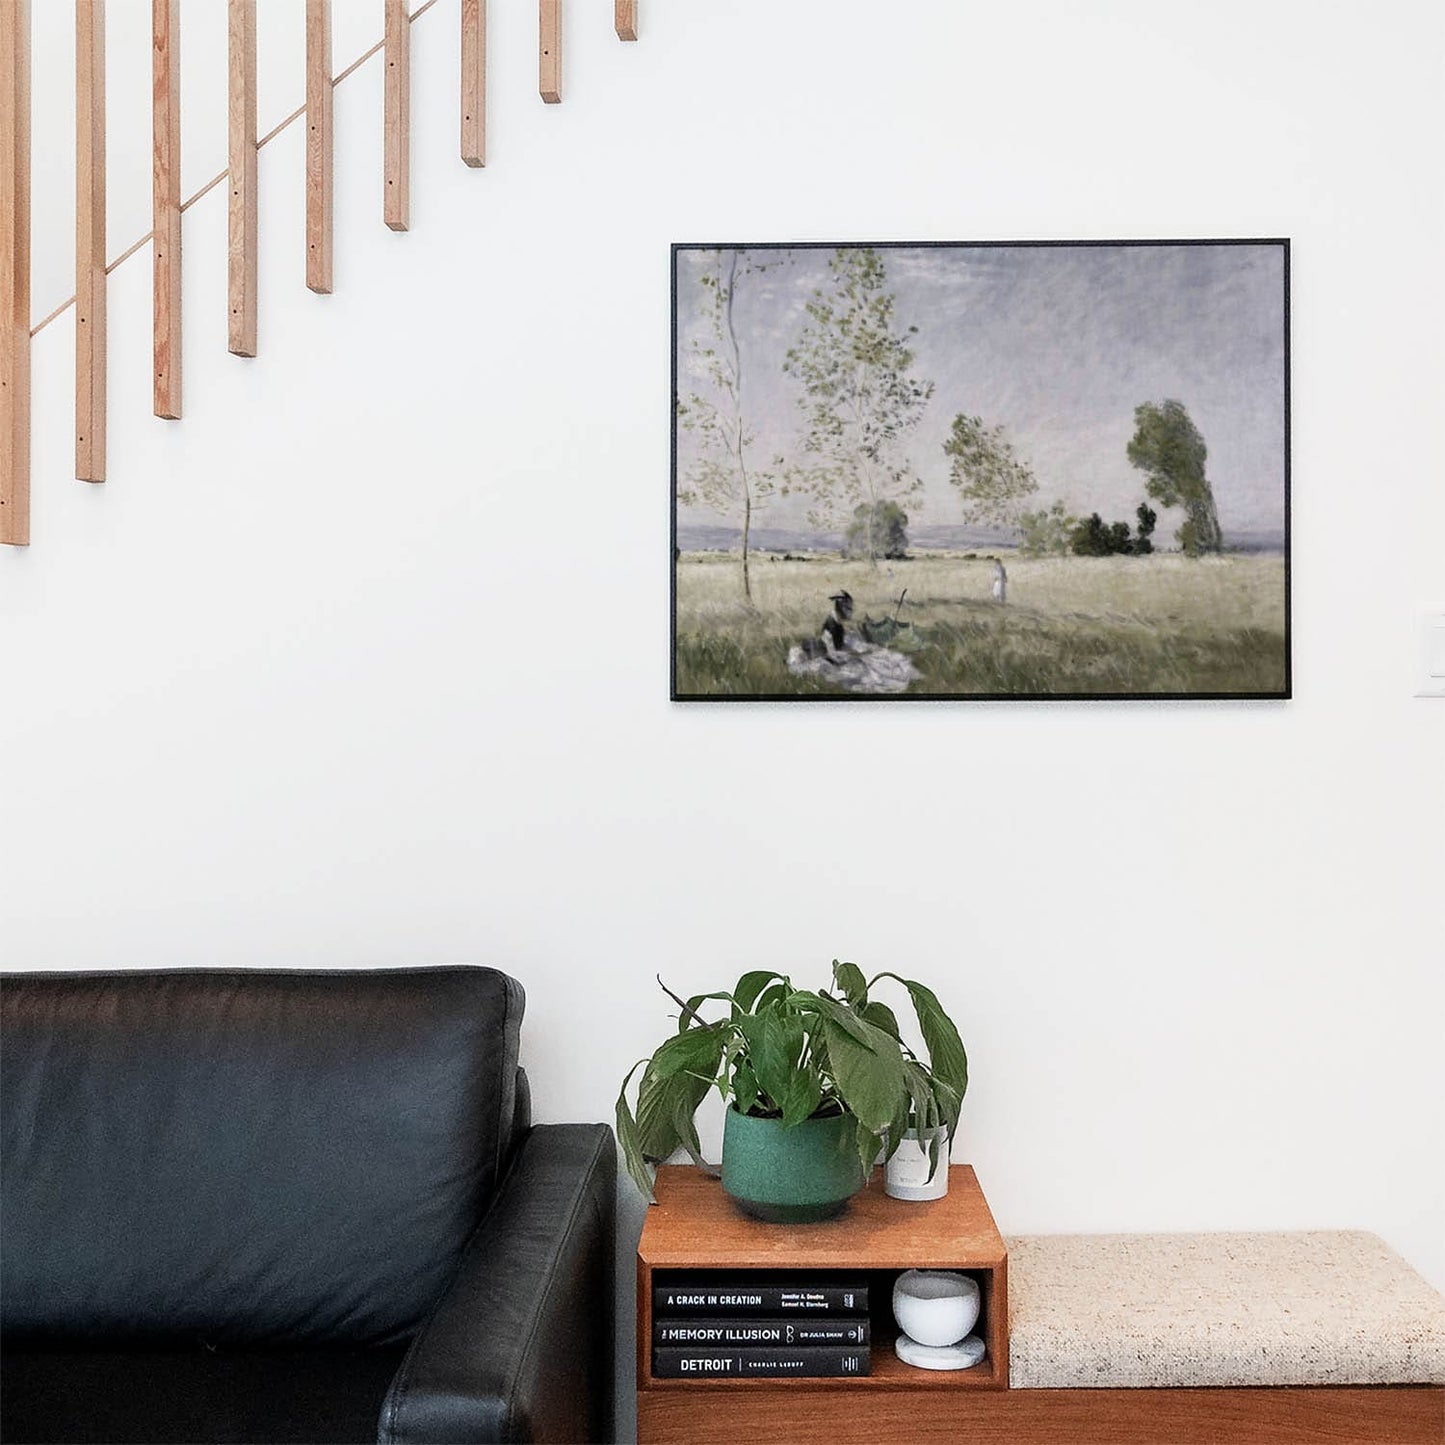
<point>695,537</point>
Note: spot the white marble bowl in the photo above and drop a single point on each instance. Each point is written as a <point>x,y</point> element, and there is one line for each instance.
<point>935,1306</point>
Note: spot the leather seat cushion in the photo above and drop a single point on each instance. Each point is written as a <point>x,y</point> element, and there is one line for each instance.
<point>319,1395</point>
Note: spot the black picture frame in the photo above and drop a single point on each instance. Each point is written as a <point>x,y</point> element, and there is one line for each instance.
<point>1265,653</point>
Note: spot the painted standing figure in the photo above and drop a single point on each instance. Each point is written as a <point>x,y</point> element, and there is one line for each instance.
<point>1000,583</point>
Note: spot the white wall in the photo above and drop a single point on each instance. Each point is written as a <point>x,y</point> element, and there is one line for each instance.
<point>365,661</point>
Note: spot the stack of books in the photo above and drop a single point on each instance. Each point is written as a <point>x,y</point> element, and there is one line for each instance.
<point>748,1328</point>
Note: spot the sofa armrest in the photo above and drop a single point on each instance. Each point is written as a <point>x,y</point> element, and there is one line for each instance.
<point>520,1346</point>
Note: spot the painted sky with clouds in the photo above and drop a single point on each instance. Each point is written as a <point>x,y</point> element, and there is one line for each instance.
<point>1059,344</point>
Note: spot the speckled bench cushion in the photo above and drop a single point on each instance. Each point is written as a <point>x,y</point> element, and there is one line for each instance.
<point>1110,1310</point>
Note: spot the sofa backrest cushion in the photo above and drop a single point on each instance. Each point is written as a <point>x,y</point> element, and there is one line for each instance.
<point>246,1156</point>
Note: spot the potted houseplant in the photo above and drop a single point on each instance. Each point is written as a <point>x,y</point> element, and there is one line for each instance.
<point>817,1083</point>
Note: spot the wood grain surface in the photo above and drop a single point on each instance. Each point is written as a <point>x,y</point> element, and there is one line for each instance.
<point>243,229</point>
<point>474,82</point>
<point>549,50</point>
<point>794,1412</point>
<point>15,272</point>
<point>90,289</point>
<point>396,107</point>
<point>166,205</point>
<point>318,146</point>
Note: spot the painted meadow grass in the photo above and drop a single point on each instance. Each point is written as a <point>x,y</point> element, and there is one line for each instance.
<point>1092,626</point>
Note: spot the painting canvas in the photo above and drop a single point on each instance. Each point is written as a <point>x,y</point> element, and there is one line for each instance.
<point>992,471</point>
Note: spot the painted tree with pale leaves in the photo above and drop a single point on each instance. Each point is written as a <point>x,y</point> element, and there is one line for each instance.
<point>723,473</point>
<point>861,397</point>
<point>992,480</point>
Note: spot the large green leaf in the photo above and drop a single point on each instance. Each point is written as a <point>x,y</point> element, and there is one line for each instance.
<point>656,1133</point>
<point>881,1016</point>
<point>774,993</point>
<point>745,1087</point>
<point>949,1104</point>
<point>660,1104</point>
<point>923,1108</point>
<point>897,1126</point>
<point>688,1016</point>
<point>945,1049</point>
<point>930,1098</point>
<point>695,1051</point>
<point>840,1016</point>
<point>867,1142</point>
<point>677,1079</point>
<point>683,1108</point>
<point>848,979</point>
<point>775,1046</point>
<point>750,985</point>
<point>630,1138</point>
<point>869,1075</point>
<point>804,1094</point>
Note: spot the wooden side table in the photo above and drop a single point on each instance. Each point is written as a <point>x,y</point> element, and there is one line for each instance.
<point>695,1226</point>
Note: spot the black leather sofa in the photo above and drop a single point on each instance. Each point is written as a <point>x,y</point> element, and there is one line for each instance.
<point>293,1206</point>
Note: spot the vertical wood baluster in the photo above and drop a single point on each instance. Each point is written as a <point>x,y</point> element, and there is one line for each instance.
<point>242,219</point>
<point>15,272</point>
<point>549,50</point>
<point>318,145</point>
<point>90,294</point>
<point>396,105</point>
<point>474,82</point>
<point>166,203</point>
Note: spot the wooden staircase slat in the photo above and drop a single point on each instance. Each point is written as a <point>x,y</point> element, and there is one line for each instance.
<point>243,222</point>
<point>396,105</point>
<point>166,204</point>
<point>15,272</point>
<point>549,50</point>
<point>474,82</point>
<point>318,146</point>
<point>90,282</point>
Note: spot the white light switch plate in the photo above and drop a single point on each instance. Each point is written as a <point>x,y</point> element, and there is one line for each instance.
<point>1432,654</point>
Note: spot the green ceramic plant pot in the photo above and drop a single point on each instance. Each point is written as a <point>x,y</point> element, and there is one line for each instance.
<point>791,1176</point>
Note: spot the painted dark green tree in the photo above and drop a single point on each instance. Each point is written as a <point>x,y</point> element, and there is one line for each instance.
<point>723,475</point>
<point>880,530</point>
<point>1168,448</point>
<point>860,397</point>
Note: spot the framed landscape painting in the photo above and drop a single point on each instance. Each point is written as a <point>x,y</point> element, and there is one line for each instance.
<point>981,470</point>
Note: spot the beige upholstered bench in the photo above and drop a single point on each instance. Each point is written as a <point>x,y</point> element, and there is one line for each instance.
<point>1224,1337</point>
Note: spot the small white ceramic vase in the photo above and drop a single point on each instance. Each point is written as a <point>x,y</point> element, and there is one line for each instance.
<point>905,1176</point>
<point>935,1307</point>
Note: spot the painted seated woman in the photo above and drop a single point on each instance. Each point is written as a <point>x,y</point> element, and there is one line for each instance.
<point>838,655</point>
